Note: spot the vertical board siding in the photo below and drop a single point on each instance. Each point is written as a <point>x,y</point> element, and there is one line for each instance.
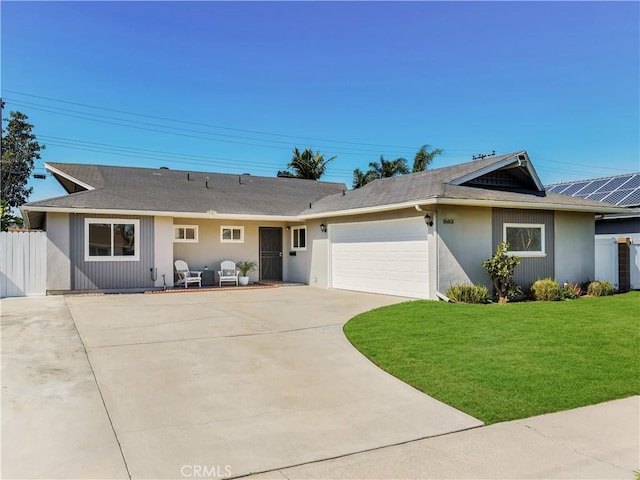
<point>530,268</point>
<point>23,264</point>
<point>108,275</point>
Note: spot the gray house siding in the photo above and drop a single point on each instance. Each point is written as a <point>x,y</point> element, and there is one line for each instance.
<point>106,275</point>
<point>530,268</point>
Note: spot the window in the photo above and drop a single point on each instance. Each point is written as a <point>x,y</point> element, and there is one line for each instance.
<point>185,233</point>
<point>525,239</point>
<point>298,238</point>
<point>111,239</point>
<point>232,234</point>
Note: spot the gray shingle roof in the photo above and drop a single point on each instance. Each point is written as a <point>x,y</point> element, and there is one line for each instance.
<point>161,190</point>
<point>158,190</point>
<point>436,183</point>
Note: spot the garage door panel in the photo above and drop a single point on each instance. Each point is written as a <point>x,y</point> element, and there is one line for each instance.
<point>381,257</point>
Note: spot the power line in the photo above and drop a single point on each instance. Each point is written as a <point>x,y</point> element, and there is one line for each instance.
<point>88,116</point>
<point>171,131</point>
<point>166,119</point>
<point>154,154</point>
<point>150,154</point>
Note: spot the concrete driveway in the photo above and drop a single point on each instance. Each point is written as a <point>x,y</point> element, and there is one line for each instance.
<point>232,383</point>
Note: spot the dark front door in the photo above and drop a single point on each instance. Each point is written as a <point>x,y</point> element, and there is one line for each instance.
<point>270,253</point>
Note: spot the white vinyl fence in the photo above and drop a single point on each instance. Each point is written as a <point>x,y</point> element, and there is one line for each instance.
<point>23,264</point>
<point>607,258</point>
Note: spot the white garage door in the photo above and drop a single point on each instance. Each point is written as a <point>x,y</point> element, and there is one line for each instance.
<point>389,257</point>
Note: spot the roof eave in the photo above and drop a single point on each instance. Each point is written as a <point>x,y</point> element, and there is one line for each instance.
<point>530,206</point>
<point>62,174</point>
<point>464,202</point>
<point>365,210</point>
<point>209,214</point>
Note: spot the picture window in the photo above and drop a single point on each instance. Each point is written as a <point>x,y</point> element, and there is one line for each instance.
<point>111,239</point>
<point>525,239</point>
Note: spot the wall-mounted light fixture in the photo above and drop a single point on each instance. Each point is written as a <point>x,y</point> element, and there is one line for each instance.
<point>323,227</point>
<point>288,227</point>
<point>428,220</point>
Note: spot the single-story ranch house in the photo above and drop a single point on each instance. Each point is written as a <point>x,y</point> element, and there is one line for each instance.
<point>414,235</point>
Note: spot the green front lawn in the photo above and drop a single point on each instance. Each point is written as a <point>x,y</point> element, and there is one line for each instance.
<point>503,362</point>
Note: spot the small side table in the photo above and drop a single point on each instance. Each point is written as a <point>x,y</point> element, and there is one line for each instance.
<point>208,278</point>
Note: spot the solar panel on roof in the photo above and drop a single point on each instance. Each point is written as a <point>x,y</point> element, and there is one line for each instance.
<point>618,195</point>
<point>621,190</point>
<point>632,200</point>
<point>598,196</point>
<point>574,188</point>
<point>592,187</point>
<point>634,182</point>
<point>614,183</point>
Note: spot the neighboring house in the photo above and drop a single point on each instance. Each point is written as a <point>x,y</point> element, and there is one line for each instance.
<point>412,235</point>
<point>617,253</point>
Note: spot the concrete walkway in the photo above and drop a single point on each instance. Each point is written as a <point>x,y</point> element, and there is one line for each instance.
<point>596,442</point>
<point>219,384</point>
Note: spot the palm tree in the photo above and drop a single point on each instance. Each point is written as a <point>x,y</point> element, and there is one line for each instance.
<point>382,169</point>
<point>308,164</point>
<point>423,158</point>
<point>360,178</point>
<point>389,168</point>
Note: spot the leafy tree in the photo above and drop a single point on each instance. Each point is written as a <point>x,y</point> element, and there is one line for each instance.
<point>501,268</point>
<point>307,164</point>
<point>19,149</point>
<point>424,157</point>
<point>7,218</point>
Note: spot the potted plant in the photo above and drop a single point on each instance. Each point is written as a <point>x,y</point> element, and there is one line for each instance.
<point>245,267</point>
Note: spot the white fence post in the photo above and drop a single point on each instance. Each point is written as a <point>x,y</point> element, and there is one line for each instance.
<point>607,259</point>
<point>23,264</point>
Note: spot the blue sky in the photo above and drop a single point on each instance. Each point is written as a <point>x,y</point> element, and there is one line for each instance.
<point>234,87</point>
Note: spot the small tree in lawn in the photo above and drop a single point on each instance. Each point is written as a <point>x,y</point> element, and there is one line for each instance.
<point>501,268</point>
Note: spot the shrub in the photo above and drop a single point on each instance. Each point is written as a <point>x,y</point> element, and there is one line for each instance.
<point>501,268</point>
<point>571,290</point>
<point>600,288</point>
<point>546,290</point>
<point>462,293</point>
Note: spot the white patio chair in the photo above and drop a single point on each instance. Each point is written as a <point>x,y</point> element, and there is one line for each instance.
<point>228,272</point>
<point>186,276</point>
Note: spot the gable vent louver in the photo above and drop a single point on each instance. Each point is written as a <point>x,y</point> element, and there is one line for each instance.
<point>495,179</point>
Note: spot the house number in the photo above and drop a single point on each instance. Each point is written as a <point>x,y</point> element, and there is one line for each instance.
<point>447,220</point>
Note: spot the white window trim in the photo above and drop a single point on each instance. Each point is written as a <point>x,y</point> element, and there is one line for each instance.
<point>185,240</point>
<point>293,229</point>
<point>112,258</point>
<point>541,226</point>
<point>232,227</point>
